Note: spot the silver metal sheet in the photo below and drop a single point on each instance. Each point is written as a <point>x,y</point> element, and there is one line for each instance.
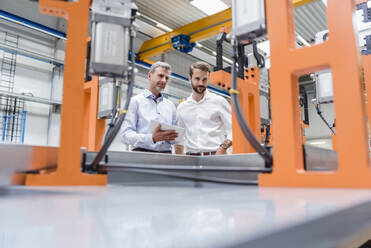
<point>15,158</point>
<point>320,159</point>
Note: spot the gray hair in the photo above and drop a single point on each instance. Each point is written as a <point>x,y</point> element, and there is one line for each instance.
<point>159,64</point>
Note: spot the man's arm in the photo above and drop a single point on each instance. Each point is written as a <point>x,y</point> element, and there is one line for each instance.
<point>129,129</point>
<point>179,147</point>
<point>226,117</point>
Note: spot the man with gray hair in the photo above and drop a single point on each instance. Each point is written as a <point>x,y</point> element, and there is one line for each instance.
<point>147,106</point>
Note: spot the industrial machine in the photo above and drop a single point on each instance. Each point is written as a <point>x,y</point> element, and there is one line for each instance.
<point>194,214</point>
<point>289,164</point>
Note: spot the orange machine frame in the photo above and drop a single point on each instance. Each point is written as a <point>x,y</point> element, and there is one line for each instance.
<point>250,104</point>
<point>74,94</point>
<point>340,53</point>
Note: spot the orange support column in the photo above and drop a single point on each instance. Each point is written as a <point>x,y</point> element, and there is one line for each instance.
<point>94,128</point>
<point>366,61</point>
<point>250,104</point>
<point>340,53</point>
<point>69,157</point>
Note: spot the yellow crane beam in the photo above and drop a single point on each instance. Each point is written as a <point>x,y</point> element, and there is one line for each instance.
<point>198,30</point>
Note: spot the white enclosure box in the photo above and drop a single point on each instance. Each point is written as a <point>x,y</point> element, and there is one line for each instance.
<point>248,19</point>
<point>106,97</point>
<point>111,44</point>
<point>323,79</point>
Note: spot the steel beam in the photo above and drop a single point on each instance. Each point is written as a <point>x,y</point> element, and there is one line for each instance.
<point>198,30</point>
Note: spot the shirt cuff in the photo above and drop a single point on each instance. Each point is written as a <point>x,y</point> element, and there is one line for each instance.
<point>148,139</point>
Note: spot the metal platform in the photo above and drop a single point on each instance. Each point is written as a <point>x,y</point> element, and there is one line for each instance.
<point>150,211</point>
<point>17,158</point>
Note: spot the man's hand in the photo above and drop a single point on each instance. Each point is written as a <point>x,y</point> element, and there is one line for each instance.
<point>223,147</point>
<point>221,151</point>
<point>179,149</point>
<point>160,135</point>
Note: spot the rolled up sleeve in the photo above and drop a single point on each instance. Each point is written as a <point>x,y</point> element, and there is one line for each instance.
<point>129,133</point>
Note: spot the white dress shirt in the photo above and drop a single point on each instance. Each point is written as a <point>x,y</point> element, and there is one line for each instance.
<point>143,108</point>
<point>207,122</point>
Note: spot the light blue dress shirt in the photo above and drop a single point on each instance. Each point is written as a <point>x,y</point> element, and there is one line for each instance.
<point>143,108</point>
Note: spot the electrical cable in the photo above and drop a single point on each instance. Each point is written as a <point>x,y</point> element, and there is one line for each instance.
<point>259,58</point>
<point>121,117</point>
<point>324,120</point>
<point>262,151</point>
<point>267,134</point>
<point>114,111</point>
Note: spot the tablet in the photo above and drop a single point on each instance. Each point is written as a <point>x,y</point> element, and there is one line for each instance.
<point>181,131</point>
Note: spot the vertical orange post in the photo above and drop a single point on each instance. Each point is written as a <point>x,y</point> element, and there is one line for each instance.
<point>250,103</point>
<point>340,53</point>
<point>69,157</point>
<point>94,128</point>
<point>366,61</point>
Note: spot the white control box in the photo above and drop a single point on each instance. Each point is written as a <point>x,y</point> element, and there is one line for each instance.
<point>323,79</point>
<point>248,19</point>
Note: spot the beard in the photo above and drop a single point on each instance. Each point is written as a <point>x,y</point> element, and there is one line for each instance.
<point>199,89</point>
<point>159,88</point>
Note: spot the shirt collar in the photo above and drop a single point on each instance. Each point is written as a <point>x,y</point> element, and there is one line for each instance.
<point>206,96</point>
<point>148,94</point>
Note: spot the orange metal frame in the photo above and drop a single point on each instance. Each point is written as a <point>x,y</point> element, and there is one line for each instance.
<point>94,129</point>
<point>250,103</point>
<point>340,53</point>
<point>73,115</point>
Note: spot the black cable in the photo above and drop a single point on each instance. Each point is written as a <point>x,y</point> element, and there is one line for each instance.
<point>120,119</point>
<point>263,152</point>
<point>324,120</point>
<point>259,58</point>
<point>267,134</point>
<point>114,112</point>
<point>183,176</point>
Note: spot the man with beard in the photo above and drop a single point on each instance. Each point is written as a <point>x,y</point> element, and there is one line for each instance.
<point>205,116</point>
<point>147,106</point>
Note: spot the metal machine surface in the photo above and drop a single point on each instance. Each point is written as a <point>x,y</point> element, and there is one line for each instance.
<point>21,159</point>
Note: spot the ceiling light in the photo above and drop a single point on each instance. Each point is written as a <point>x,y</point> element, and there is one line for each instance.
<point>199,45</point>
<point>227,60</point>
<point>162,26</point>
<point>302,40</point>
<point>317,142</point>
<point>210,9</point>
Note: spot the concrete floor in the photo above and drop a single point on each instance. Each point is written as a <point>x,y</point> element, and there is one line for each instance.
<point>158,214</point>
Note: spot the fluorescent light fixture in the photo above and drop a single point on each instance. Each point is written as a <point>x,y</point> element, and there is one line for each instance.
<point>227,60</point>
<point>317,142</point>
<point>302,40</point>
<point>162,26</point>
<point>214,53</point>
<point>199,45</point>
<point>209,7</point>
